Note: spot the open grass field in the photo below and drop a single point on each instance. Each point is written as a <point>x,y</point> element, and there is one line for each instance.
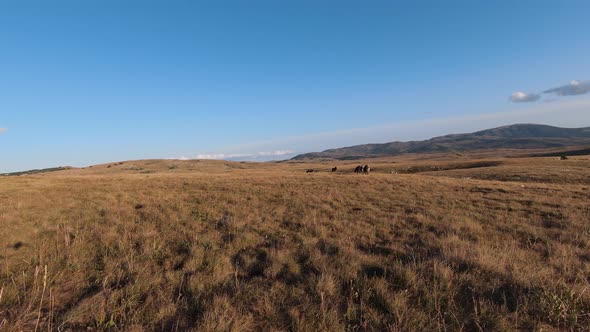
<point>437,243</point>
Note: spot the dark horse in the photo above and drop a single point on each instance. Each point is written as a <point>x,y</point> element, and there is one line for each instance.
<point>334,169</point>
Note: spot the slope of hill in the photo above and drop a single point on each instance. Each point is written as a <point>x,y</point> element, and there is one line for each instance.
<point>518,136</point>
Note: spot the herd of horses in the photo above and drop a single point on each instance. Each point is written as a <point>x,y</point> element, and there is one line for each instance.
<point>360,169</point>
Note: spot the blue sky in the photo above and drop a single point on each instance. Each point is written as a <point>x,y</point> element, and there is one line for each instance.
<point>84,82</point>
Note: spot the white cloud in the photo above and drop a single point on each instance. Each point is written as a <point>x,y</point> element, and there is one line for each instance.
<point>523,97</point>
<point>572,89</point>
<point>2,130</point>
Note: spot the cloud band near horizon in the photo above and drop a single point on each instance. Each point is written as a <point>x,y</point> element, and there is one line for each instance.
<point>246,156</point>
<point>563,114</point>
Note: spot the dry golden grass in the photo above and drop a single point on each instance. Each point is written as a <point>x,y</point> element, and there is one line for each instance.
<point>221,246</point>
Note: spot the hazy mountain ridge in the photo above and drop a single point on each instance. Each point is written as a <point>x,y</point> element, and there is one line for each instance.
<point>518,136</point>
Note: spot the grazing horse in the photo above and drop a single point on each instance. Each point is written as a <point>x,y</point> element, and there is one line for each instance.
<point>334,169</point>
<point>358,169</point>
<point>366,169</point>
<point>310,171</point>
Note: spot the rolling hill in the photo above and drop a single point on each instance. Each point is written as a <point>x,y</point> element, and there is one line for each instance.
<point>209,245</point>
<point>518,136</point>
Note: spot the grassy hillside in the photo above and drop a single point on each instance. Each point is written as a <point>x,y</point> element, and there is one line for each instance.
<point>519,136</point>
<point>424,243</point>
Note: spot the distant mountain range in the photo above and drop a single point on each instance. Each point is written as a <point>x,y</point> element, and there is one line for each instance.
<point>518,136</point>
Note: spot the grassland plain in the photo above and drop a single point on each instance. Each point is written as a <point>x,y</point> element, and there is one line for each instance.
<point>447,243</point>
